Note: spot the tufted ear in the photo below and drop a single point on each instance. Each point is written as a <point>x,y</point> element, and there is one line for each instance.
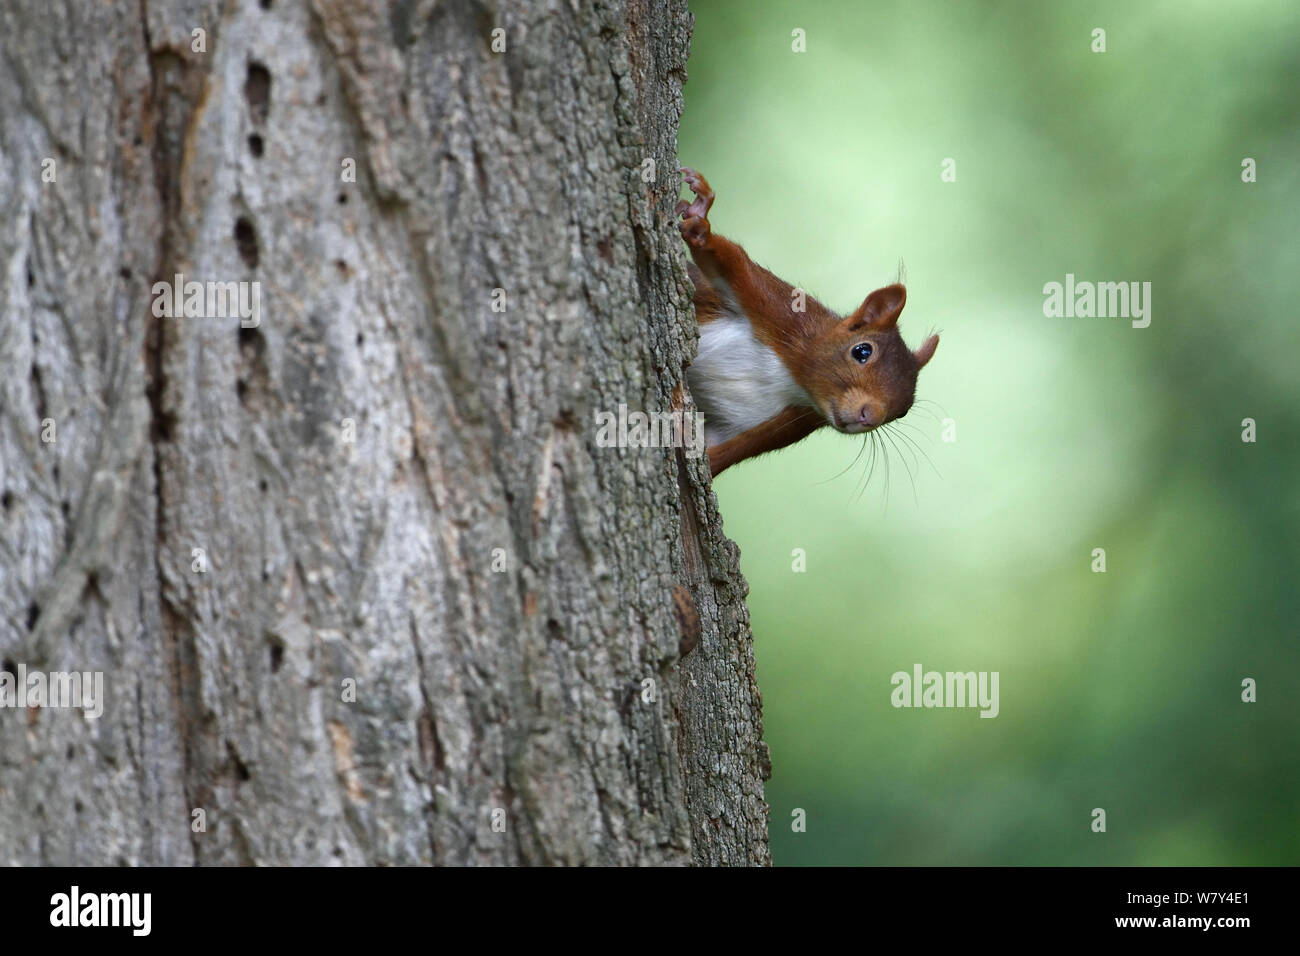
<point>880,309</point>
<point>926,351</point>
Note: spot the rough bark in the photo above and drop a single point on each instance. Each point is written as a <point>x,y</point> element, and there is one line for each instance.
<point>358,467</point>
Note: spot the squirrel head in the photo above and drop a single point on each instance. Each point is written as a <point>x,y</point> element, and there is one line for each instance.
<point>859,371</point>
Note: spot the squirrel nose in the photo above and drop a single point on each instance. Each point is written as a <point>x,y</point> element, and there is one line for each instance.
<point>867,416</point>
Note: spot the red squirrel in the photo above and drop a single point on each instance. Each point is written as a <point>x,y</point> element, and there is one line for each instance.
<point>767,375</point>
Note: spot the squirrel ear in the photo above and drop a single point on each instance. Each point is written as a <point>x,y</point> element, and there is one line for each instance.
<point>926,351</point>
<point>880,309</point>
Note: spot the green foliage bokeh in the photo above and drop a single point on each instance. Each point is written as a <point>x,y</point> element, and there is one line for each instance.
<point>1119,690</point>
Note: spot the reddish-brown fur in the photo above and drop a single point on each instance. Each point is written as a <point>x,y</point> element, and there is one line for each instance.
<point>813,344</point>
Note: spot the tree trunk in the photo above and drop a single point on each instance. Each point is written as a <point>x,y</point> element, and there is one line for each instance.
<point>362,585</point>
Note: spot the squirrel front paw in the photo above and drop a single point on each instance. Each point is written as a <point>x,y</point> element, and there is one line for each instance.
<point>694,226</point>
<point>694,230</point>
<point>697,184</point>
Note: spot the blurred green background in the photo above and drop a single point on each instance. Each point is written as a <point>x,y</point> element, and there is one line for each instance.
<point>1119,690</point>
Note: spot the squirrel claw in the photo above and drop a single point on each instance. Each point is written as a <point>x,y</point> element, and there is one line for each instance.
<point>703,193</point>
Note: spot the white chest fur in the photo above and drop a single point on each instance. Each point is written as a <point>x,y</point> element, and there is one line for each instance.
<point>737,381</point>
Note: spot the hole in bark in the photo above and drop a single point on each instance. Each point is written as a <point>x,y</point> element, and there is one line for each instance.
<point>261,486</point>
<point>65,508</point>
<point>361,339</point>
<point>264,4</point>
<point>277,656</point>
<point>71,752</point>
<point>430,745</point>
<point>31,276</point>
<point>342,267</point>
<point>164,425</point>
<point>343,199</point>
<point>38,385</point>
<point>9,667</point>
<point>251,343</point>
<point>246,240</point>
<point>124,274</point>
<point>252,380</point>
<point>257,91</point>
<point>33,612</point>
<point>256,145</point>
<point>7,500</point>
<point>241,769</point>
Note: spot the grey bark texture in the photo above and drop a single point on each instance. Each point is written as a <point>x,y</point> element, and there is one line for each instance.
<point>387,481</point>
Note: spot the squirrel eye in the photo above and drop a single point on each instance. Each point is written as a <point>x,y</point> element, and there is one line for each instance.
<point>861,352</point>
